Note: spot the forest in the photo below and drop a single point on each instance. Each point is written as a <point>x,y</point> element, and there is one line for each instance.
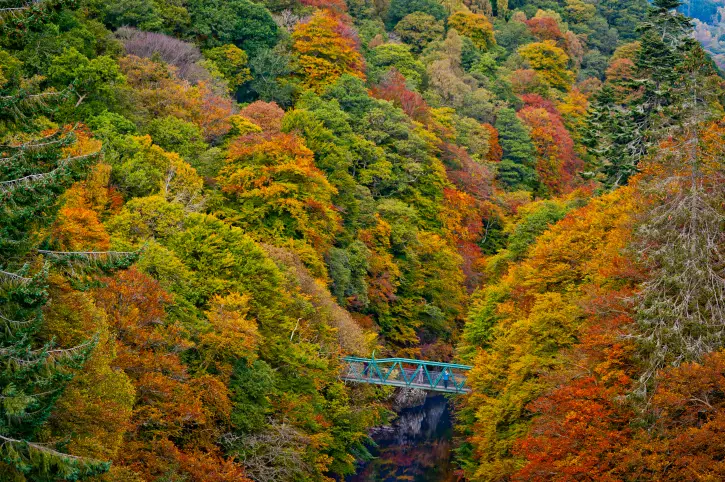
<point>205,204</point>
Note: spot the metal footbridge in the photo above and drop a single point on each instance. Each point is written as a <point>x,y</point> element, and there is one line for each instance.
<point>404,372</point>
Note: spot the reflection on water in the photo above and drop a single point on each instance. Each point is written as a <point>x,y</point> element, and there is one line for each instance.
<point>417,448</point>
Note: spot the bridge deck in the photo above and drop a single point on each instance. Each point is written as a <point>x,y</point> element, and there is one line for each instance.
<point>398,383</point>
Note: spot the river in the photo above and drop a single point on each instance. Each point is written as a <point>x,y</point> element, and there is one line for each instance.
<point>417,447</point>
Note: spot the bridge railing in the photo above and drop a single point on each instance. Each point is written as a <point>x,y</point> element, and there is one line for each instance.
<point>404,372</point>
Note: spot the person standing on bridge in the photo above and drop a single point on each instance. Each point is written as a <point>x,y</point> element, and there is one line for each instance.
<point>445,378</point>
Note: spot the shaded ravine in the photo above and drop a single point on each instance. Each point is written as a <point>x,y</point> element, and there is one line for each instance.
<point>416,447</point>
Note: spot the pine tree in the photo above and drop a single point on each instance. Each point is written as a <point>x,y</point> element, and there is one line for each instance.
<point>515,171</point>
<point>37,163</point>
<point>681,307</point>
<point>33,371</point>
<point>608,134</point>
<point>660,73</point>
<point>619,136</point>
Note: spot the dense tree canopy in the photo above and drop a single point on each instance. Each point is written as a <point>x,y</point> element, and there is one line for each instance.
<point>205,204</point>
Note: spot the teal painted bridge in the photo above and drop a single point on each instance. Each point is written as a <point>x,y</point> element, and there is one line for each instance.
<point>404,372</point>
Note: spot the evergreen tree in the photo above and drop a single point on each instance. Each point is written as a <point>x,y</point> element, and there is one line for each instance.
<point>680,314</point>
<point>37,163</point>
<point>515,170</point>
<point>660,73</point>
<point>608,134</point>
<point>679,310</point>
<point>33,371</point>
<point>620,135</point>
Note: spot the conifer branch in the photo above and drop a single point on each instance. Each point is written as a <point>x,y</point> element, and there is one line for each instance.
<point>14,322</point>
<point>80,260</point>
<point>14,157</point>
<point>13,278</point>
<point>43,449</point>
<point>39,96</point>
<point>19,103</point>
<point>35,143</point>
<point>5,318</point>
<point>59,138</point>
<point>14,9</point>
<point>57,354</point>
<point>62,353</point>
<point>12,185</point>
<point>88,254</point>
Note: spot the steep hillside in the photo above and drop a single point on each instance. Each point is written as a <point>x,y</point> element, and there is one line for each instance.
<point>204,204</point>
<point>584,341</point>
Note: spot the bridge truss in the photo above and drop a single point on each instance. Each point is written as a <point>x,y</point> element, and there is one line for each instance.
<point>404,372</point>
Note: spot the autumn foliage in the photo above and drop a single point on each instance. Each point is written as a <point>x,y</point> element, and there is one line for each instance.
<point>475,26</point>
<point>545,28</point>
<point>325,51</point>
<point>205,206</point>
<point>537,309</point>
<point>495,153</point>
<point>550,62</point>
<point>158,92</point>
<point>170,424</point>
<point>277,183</point>
<point>393,88</point>
<point>557,163</point>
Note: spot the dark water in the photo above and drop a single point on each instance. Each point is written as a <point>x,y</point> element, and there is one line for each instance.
<point>418,447</point>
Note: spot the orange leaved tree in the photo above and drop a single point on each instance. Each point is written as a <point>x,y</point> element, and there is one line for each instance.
<point>278,191</point>
<point>324,52</point>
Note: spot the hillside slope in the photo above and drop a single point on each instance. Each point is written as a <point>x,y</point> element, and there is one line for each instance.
<point>204,204</point>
